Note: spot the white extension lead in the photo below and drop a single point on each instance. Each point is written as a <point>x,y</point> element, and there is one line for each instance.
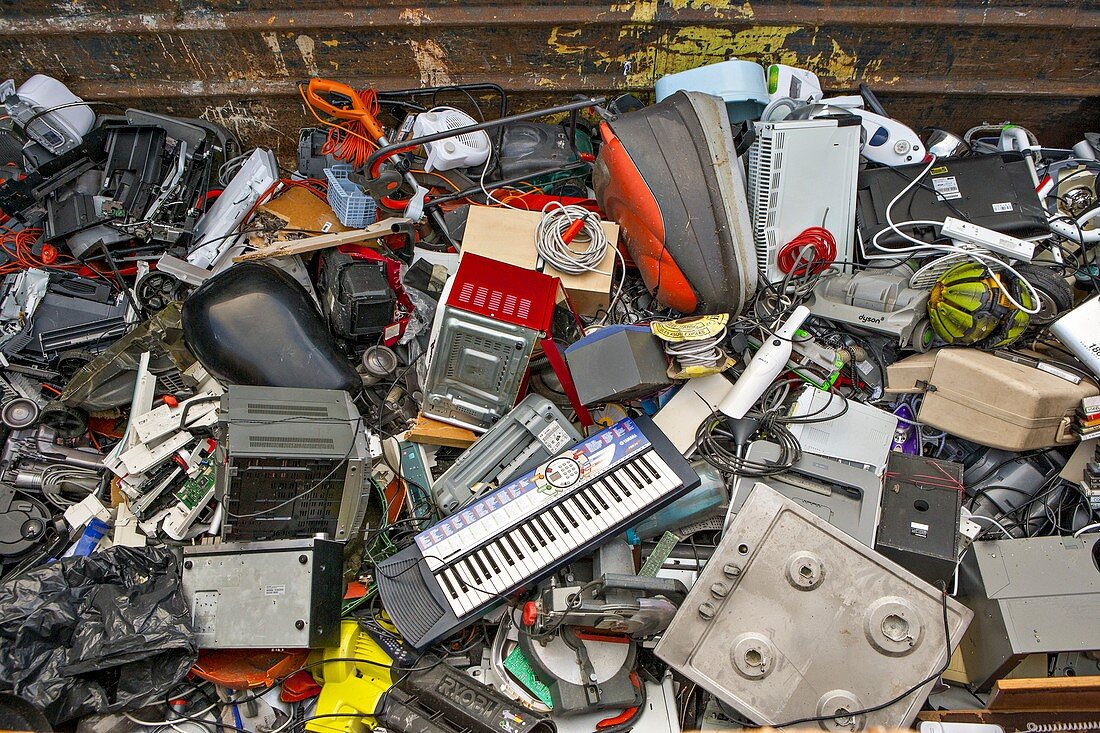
<point>922,246</point>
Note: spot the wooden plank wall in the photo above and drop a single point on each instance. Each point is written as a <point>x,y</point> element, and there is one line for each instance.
<point>954,64</point>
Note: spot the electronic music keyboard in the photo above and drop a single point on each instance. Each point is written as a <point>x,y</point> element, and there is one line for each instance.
<point>464,566</point>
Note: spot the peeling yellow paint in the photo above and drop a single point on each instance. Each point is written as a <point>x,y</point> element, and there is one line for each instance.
<point>841,65</point>
<point>640,12</point>
<point>635,67</point>
<point>646,11</point>
<point>331,43</point>
<point>718,8</point>
<point>688,47</point>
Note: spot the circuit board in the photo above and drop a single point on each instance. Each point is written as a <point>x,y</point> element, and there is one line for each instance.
<point>195,490</point>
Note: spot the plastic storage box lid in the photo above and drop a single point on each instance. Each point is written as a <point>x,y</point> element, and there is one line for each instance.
<point>741,84</point>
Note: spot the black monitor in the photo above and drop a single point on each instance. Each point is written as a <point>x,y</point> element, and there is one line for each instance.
<point>996,191</point>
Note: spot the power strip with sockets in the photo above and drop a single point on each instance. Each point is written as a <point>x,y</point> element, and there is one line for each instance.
<point>964,231</point>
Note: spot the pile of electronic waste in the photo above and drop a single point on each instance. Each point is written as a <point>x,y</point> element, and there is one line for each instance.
<point>748,407</point>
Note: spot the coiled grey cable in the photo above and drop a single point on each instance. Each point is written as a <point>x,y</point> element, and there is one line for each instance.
<point>701,352</point>
<point>550,241</point>
<point>552,247</point>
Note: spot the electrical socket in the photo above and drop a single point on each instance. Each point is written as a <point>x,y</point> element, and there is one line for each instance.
<point>964,231</point>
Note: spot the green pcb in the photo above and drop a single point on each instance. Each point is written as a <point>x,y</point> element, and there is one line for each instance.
<point>518,665</point>
<point>660,553</point>
<point>194,490</point>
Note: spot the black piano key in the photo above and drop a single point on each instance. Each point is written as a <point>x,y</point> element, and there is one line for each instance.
<point>620,483</point>
<point>569,514</point>
<point>564,512</point>
<point>643,464</point>
<point>515,547</point>
<point>447,582</point>
<point>535,531</point>
<point>532,544</point>
<point>492,562</point>
<point>582,508</point>
<point>610,489</point>
<point>503,550</point>
<point>557,519</point>
<point>640,480</point>
<point>630,474</point>
<point>547,529</point>
<point>482,564</point>
<point>597,495</point>
<point>468,565</point>
<point>602,493</point>
<point>653,459</point>
<point>591,504</point>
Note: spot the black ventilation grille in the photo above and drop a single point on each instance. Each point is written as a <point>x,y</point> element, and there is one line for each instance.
<point>302,442</point>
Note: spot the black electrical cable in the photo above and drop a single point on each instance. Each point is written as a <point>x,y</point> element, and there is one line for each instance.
<point>1051,485</point>
<point>215,724</point>
<point>122,283</point>
<point>1021,457</point>
<point>955,209</point>
<point>819,415</point>
<point>321,662</point>
<point>316,485</point>
<point>1000,508</point>
<point>716,444</point>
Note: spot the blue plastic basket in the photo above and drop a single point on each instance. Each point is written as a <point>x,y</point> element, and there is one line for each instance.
<point>353,207</point>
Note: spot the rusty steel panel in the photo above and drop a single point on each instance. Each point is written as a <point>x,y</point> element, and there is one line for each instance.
<point>954,64</point>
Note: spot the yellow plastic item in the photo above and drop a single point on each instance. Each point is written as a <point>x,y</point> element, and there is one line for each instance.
<point>690,329</point>
<point>351,688</point>
<point>693,328</point>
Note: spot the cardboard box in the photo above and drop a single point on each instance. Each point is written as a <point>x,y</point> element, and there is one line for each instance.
<point>299,209</point>
<point>508,235</point>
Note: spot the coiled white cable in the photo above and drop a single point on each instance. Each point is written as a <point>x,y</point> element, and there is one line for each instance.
<point>550,242</point>
<point>552,247</point>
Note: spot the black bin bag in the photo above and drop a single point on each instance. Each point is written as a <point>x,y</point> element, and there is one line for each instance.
<point>102,633</point>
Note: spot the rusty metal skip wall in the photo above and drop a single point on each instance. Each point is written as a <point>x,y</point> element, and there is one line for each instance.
<point>236,62</point>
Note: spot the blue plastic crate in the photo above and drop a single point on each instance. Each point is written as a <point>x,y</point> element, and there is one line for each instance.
<point>353,207</point>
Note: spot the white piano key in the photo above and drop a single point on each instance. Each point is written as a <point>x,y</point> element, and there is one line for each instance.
<point>614,508</point>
